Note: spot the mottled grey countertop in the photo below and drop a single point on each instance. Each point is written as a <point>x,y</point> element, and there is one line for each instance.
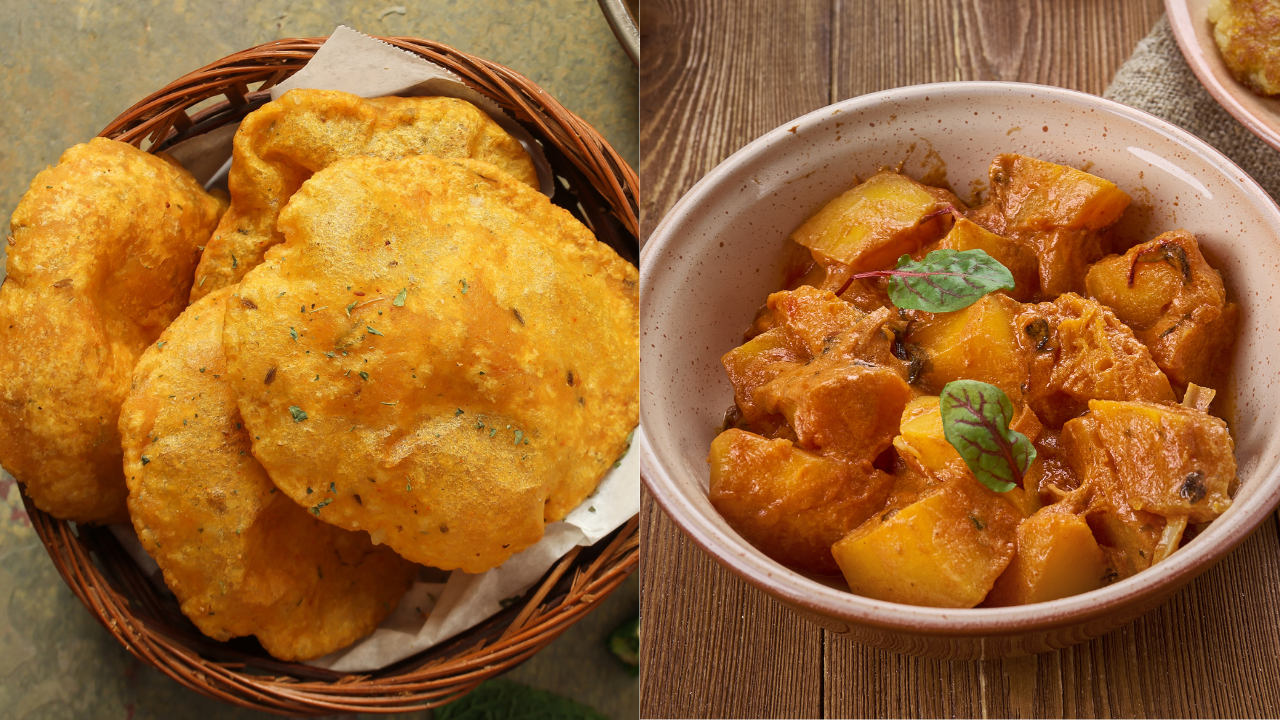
<point>67,68</point>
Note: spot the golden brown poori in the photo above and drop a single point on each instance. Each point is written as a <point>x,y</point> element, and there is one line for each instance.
<point>282,143</point>
<point>102,248</point>
<point>454,354</point>
<point>241,557</point>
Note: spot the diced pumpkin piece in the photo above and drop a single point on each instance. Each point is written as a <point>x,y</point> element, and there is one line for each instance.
<point>813,318</point>
<point>871,225</point>
<point>1175,303</point>
<point>1059,209</point>
<point>1169,460</point>
<point>945,550</point>
<point>1019,256</point>
<point>1079,351</point>
<point>844,407</point>
<point>923,444</point>
<point>755,363</point>
<point>1056,557</point>
<point>1128,537</point>
<point>977,343</point>
<point>790,503</point>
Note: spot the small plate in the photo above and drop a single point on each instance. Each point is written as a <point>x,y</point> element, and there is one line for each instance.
<point>1190,21</point>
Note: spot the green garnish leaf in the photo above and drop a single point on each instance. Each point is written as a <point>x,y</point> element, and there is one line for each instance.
<point>293,334</point>
<point>399,301</point>
<point>945,281</point>
<point>297,413</point>
<point>975,420</point>
<point>372,331</point>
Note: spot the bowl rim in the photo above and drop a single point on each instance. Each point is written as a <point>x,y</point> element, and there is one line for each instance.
<point>797,590</point>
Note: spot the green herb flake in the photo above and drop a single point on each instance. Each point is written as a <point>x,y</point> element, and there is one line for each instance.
<point>978,524</point>
<point>945,280</point>
<point>364,375</point>
<point>464,285</point>
<point>373,332</point>
<point>202,369</point>
<point>459,411</point>
<point>297,413</point>
<point>293,334</point>
<point>234,262</point>
<point>145,459</point>
<point>493,432</point>
<point>975,420</point>
<point>160,344</point>
<point>282,293</point>
<point>352,306</point>
<point>399,301</point>
<point>390,403</point>
<point>332,487</point>
<point>329,354</point>
<point>309,491</point>
<point>519,436</point>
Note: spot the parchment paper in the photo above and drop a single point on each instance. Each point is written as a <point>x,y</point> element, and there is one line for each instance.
<point>431,612</point>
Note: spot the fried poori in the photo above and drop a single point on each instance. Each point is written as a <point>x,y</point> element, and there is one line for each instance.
<point>1248,35</point>
<point>455,353</point>
<point>242,558</point>
<point>282,143</point>
<point>101,256</point>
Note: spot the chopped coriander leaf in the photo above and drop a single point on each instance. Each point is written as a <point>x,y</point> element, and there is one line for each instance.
<point>160,344</point>
<point>364,375</point>
<point>293,334</point>
<point>234,262</point>
<point>519,436</point>
<point>399,301</point>
<point>372,331</point>
<point>298,414</point>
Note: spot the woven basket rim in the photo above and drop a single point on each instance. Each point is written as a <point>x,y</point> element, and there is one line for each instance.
<point>598,187</point>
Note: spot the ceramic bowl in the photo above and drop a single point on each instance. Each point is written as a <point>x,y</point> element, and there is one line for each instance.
<point>719,252</point>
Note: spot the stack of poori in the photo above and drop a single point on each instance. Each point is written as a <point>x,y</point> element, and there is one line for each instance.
<point>396,351</point>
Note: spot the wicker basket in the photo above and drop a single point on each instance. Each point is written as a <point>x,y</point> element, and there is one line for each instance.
<point>596,186</point>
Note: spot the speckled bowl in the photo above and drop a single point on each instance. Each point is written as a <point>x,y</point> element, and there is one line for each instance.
<point>718,254</point>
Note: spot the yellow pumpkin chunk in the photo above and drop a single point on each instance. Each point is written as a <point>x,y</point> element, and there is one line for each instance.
<point>1056,557</point>
<point>977,343</point>
<point>871,225</point>
<point>755,363</point>
<point>1079,351</point>
<point>945,550</point>
<point>1176,304</point>
<point>1019,256</point>
<point>1059,209</point>
<point>790,503</point>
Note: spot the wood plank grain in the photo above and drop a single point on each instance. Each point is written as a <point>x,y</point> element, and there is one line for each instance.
<point>717,75</point>
<point>1079,45</point>
<point>712,645</point>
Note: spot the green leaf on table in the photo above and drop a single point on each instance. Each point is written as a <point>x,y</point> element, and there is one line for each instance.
<point>506,700</point>
<point>624,643</point>
<point>945,280</point>
<point>975,420</point>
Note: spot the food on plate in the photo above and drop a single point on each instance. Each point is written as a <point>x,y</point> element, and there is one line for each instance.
<point>281,144</point>
<point>955,406</point>
<point>1248,35</point>
<point>242,558</point>
<point>455,357</point>
<point>101,253</point>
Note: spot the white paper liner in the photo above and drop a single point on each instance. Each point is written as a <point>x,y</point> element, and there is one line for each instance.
<point>430,612</point>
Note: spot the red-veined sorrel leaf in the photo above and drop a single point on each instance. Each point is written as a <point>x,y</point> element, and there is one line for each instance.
<point>975,419</point>
<point>945,280</point>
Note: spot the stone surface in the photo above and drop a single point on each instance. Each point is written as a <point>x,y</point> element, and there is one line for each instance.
<point>67,68</point>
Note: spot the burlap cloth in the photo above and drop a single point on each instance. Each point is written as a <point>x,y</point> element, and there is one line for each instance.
<point>1158,80</point>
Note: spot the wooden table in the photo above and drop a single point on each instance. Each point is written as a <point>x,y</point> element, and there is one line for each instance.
<point>714,77</point>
